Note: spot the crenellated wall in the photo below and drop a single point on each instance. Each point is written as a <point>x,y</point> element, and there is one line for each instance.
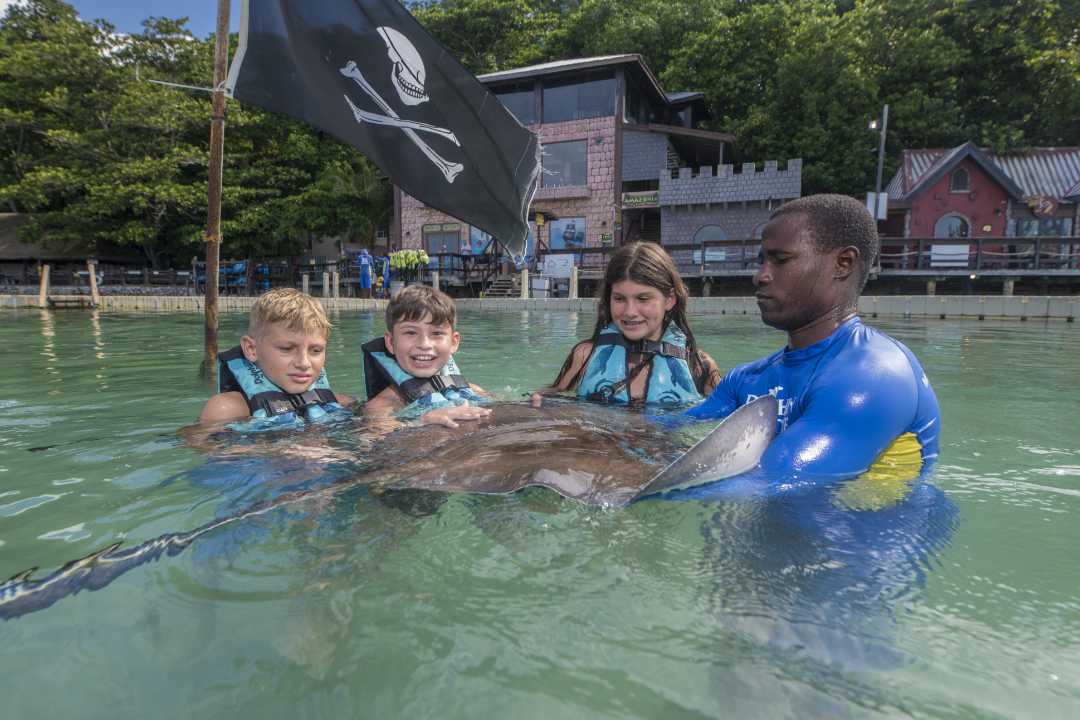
<point>723,185</point>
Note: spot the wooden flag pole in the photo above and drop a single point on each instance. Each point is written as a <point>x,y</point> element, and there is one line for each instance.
<point>213,212</point>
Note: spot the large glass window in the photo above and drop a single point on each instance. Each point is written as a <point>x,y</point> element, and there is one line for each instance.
<point>638,108</point>
<point>593,96</point>
<point>519,100</point>
<point>565,164</point>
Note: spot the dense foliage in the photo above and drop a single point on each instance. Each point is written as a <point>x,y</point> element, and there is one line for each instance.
<point>102,157</point>
<point>802,78</point>
<point>96,153</point>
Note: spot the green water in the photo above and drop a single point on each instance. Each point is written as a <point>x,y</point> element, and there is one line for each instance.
<point>530,605</point>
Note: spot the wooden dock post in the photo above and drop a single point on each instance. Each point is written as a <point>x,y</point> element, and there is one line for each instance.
<point>91,268</point>
<point>573,293</point>
<point>43,288</point>
<point>337,285</point>
<point>326,284</point>
<point>524,283</point>
<point>305,283</point>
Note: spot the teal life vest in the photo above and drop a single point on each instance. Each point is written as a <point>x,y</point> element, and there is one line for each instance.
<point>270,406</point>
<point>421,395</point>
<point>607,373</point>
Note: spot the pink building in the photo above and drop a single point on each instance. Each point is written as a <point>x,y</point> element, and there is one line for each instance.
<point>622,161</point>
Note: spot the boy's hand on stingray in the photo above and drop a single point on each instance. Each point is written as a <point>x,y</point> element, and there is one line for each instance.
<point>449,416</point>
<point>536,399</point>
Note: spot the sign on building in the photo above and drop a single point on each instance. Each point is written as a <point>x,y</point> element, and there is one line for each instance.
<point>558,266</point>
<point>644,199</point>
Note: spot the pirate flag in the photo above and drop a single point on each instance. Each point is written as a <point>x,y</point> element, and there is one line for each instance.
<point>366,72</point>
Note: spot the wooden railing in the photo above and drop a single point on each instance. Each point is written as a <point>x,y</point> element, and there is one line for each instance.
<point>1030,255</point>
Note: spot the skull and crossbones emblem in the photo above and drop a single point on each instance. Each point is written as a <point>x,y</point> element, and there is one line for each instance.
<point>407,74</point>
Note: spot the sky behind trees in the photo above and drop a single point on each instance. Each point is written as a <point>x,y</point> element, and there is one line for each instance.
<point>128,15</point>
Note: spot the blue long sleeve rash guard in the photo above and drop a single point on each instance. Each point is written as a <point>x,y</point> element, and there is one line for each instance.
<point>852,403</point>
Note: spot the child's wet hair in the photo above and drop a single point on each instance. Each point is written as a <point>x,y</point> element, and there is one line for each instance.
<point>296,311</point>
<point>416,302</point>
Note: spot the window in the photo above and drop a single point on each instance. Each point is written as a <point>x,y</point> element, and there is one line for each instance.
<point>565,164</point>
<point>593,96</point>
<point>951,226</point>
<point>442,238</point>
<point>567,233</point>
<point>638,108</point>
<point>1045,227</point>
<point>519,100</point>
<point>959,181</point>
<point>710,233</point>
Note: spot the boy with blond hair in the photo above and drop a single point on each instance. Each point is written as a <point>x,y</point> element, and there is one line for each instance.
<point>410,371</point>
<point>277,370</point>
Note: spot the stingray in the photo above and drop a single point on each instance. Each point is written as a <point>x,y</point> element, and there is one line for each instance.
<point>593,455</point>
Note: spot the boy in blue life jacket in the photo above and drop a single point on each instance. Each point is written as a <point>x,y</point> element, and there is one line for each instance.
<point>410,371</point>
<point>276,374</point>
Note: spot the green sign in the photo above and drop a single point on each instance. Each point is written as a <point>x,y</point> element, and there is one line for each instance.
<point>648,198</point>
<point>606,238</point>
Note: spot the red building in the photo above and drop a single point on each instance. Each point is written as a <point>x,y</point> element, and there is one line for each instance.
<point>968,192</point>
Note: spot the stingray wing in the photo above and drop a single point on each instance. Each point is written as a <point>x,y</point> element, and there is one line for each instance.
<point>735,446</point>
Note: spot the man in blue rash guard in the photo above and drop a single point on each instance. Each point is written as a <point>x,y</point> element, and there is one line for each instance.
<point>853,401</point>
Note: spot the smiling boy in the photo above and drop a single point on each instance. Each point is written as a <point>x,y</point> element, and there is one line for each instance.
<point>277,370</point>
<point>410,371</point>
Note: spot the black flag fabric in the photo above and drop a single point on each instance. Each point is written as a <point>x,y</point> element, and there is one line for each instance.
<point>366,72</point>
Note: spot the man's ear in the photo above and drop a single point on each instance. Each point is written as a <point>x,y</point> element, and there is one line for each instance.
<point>247,344</point>
<point>846,261</point>
<point>389,340</point>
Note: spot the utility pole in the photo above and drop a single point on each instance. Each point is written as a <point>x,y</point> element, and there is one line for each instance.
<point>881,156</point>
<point>213,212</point>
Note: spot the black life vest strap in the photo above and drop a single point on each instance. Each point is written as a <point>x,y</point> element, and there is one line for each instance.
<point>227,382</point>
<point>417,388</point>
<point>273,402</point>
<point>376,379</point>
<point>643,347</point>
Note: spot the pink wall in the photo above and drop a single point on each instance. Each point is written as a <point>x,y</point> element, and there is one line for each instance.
<point>977,206</point>
<point>595,202</point>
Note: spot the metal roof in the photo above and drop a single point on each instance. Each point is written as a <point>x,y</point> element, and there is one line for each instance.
<point>563,66</point>
<point>557,66</point>
<point>676,98</point>
<point>1040,171</point>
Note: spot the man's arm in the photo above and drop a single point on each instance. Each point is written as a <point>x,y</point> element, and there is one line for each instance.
<point>847,423</point>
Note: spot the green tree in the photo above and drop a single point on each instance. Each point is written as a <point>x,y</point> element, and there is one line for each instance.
<point>101,157</point>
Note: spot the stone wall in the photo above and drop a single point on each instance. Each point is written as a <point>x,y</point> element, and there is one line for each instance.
<point>981,307</point>
<point>722,184</point>
<point>679,224</point>
<point>644,155</point>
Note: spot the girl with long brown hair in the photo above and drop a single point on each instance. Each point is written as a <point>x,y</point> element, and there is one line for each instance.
<point>641,326</point>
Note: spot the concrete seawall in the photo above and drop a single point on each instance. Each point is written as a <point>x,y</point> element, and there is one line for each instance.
<point>939,307</point>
